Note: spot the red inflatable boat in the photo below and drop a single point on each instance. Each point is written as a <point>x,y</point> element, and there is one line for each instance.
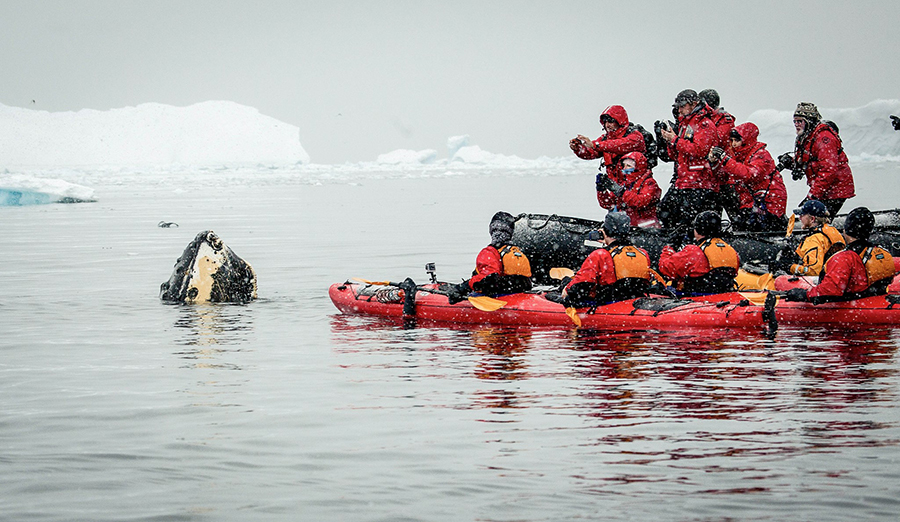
<point>723,311</point>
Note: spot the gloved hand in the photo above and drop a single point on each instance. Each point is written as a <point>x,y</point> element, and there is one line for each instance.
<point>676,240</point>
<point>896,122</point>
<point>603,183</point>
<point>716,154</point>
<point>796,174</point>
<point>780,265</point>
<point>785,161</point>
<point>796,294</point>
<point>616,189</point>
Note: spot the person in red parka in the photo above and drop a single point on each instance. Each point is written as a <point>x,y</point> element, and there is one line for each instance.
<point>620,139</point>
<point>695,187</point>
<point>617,272</point>
<point>860,270</point>
<point>760,188</point>
<point>500,268</point>
<point>637,196</point>
<point>706,266</point>
<point>819,155</point>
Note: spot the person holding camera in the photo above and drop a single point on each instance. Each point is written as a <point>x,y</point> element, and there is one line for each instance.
<point>761,194</point>
<point>638,194</point>
<point>819,155</point>
<point>619,139</point>
<point>695,187</point>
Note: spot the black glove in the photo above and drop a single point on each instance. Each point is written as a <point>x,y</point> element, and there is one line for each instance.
<point>676,240</point>
<point>785,161</point>
<point>796,294</point>
<point>616,189</point>
<point>780,265</point>
<point>603,183</point>
<point>896,122</point>
<point>716,154</point>
<point>796,174</point>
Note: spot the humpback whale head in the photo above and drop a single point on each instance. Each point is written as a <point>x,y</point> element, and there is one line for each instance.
<point>209,272</point>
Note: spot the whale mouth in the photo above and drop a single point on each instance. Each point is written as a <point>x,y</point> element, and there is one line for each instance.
<point>209,272</point>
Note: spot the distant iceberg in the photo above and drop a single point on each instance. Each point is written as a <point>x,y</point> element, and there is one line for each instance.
<point>404,156</point>
<point>16,190</point>
<point>213,132</point>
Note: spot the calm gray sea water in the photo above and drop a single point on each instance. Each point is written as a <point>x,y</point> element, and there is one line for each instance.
<point>116,406</point>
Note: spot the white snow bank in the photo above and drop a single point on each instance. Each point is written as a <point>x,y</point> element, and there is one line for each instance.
<point>866,132</point>
<point>17,189</point>
<point>213,132</point>
<point>401,156</point>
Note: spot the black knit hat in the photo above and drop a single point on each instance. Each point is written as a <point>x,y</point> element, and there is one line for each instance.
<point>711,97</point>
<point>859,223</point>
<point>685,97</point>
<point>617,225</point>
<point>708,223</point>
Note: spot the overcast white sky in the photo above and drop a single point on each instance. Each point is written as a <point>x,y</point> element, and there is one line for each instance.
<point>364,78</point>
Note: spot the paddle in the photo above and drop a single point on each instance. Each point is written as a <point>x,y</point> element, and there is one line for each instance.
<point>790,228</point>
<point>481,302</point>
<point>561,272</point>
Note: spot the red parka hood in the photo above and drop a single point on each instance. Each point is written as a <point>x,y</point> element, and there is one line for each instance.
<point>617,112</point>
<point>640,161</point>
<point>749,132</point>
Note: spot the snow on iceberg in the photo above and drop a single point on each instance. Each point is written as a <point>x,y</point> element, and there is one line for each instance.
<point>17,189</point>
<point>213,132</point>
<point>472,154</point>
<point>405,156</point>
<point>866,132</point>
<point>454,143</point>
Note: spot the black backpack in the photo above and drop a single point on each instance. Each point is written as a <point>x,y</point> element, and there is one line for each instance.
<point>649,143</point>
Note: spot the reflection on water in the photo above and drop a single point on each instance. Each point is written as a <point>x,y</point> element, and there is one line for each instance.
<point>209,329</point>
<point>699,411</point>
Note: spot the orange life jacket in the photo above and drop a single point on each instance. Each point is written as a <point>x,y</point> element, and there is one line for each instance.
<point>515,262</point>
<point>630,263</point>
<point>720,254</point>
<point>878,262</point>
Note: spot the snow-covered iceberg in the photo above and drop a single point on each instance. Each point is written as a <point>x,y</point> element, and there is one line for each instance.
<point>213,132</point>
<point>404,156</point>
<point>17,189</point>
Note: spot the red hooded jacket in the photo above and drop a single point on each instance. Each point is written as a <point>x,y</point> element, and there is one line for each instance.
<point>827,171</point>
<point>696,135</point>
<point>612,146</point>
<point>641,195</point>
<point>844,273</point>
<point>753,172</point>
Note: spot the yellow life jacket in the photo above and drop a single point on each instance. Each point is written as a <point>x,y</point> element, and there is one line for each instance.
<point>878,262</point>
<point>720,254</point>
<point>630,263</point>
<point>837,240</point>
<point>515,262</point>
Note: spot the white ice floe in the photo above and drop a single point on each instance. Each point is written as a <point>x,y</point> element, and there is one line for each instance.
<point>17,189</point>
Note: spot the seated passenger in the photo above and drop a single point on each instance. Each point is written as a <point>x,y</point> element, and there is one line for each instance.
<point>861,270</point>
<point>617,272</point>
<point>706,266</point>
<point>637,195</point>
<point>809,258</point>
<point>500,267</point>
